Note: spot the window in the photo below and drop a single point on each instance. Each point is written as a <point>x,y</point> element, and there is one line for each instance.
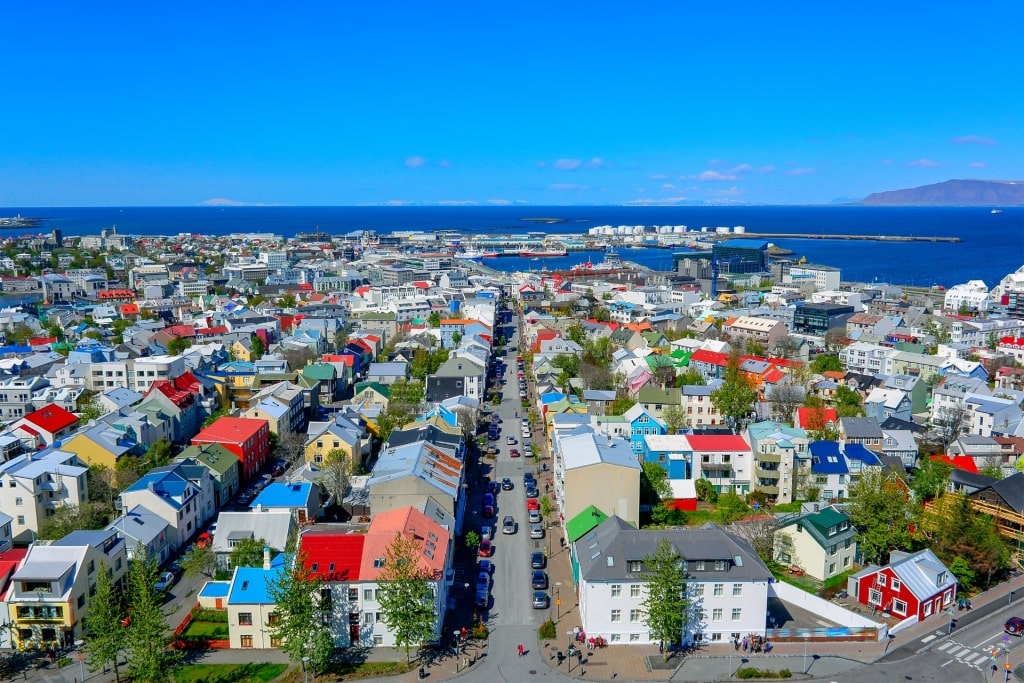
<point>896,584</point>
<point>880,579</point>
<point>245,619</point>
<point>737,613</point>
<point>353,594</point>
<point>635,566</point>
<point>246,641</point>
<point>634,590</point>
<point>716,614</point>
<point>833,549</point>
<point>616,615</point>
<point>81,601</point>
<point>367,594</point>
<point>737,590</point>
<point>634,616</point>
<point>899,607</point>
<point>378,640</point>
<point>831,568</point>
<point>21,520</point>
<point>634,637</point>
<point>273,619</point>
<point>719,589</point>
<point>616,637</point>
<point>846,561</point>
<point>616,590</point>
<point>696,589</point>
<point>19,502</point>
<point>699,565</point>
<point>720,565</point>
<point>874,597</point>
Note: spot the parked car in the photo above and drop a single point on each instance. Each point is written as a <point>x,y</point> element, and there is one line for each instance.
<point>541,600</point>
<point>164,582</point>
<point>506,484</point>
<point>539,581</point>
<point>535,519</point>
<point>487,532</point>
<point>486,566</point>
<point>485,549</point>
<point>510,440</point>
<point>481,599</point>
<point>531,491</point>
<point>483,581</point>
<point>514,453</point>
<point>1014,626</point>
<point>527,477</point>
<point>537,530</point>
<point>508,525</point>
<point>538,561</point>
<point>204,539</point>
<point>532,504</point>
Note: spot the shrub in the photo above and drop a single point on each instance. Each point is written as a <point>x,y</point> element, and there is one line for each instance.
<point>748,672</point>
<point>479,630</point>
<point>211,615</point>
<point>547,630</point>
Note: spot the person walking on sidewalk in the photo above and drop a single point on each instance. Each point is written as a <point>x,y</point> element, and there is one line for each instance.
<point>520,649</point>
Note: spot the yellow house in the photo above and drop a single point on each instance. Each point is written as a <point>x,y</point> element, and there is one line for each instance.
<point>340,434</point>
<point>101,444</point>
<point>242,350</point>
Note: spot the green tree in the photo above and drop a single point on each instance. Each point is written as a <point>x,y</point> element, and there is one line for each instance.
<point>159,454</point>
<point>957,531</point>
<point>705,490</point>
<point>752,347</point>
<point>620,405</point>
<point>434,320</point>
<point>286,300</point>
<point>146,636</point>
<point>665,602</point>
<point>104,627</point>
<point>89,408</point>
<point>456,338</point>
<point>735,398</point>
<point>256,347</point>
<point>883,512</point>
<point>472,540</point>
<point>248,553</point>
<point>848,402</point>
<point>420,365</point>
<point>177,346</point>
<point>730,507</point>
<point>991,471</point>
<point>302,606</point>
<point>675,419</point>
<point>336,468</point>
<point>200,562</point>
<point>964,574</point>
<point>405,596</point>
<point>691,377</point>
<point>546,507</point>
<point>576,333</point>
<point>68,518</point>
<point>654,484</point>
<point>826,362</point>
<point>19,334</point>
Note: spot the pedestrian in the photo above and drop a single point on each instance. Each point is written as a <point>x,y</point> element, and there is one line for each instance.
<point>968,604</point>
<point>744,644</point>
<point>767,646</point>
<point>736,644</point>
<point>520,649</point>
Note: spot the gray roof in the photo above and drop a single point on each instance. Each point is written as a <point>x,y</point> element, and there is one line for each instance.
<point>860,427</point>
<point>598,395</point>
<point>139,525</point>
<point>387,369</point>
<point>605,552</point>
<point>1011,490</point>
<point>272,526</point>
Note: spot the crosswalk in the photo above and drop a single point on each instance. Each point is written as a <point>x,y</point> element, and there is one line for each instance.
<point>977,657</point>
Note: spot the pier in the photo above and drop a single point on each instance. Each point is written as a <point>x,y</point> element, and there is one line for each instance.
<point>826,236</point>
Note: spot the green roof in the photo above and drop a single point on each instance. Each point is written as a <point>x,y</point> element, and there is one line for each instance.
<point>321,371</point>
<point>657,395</point>
<point>656,360</point>
<point>580,525</point>
<point>381,389</point>
<point>213,455</point>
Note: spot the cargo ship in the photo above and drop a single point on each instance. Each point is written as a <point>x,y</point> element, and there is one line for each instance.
<point>543,253</point>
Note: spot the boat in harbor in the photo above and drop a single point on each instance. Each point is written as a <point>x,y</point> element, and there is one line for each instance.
<point>543,253</point>
<point>996,211</point>
<point>474,254</point>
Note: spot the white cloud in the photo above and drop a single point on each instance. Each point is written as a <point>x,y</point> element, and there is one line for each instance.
<point>444,163</point>
<point>567,164</point>
<point>885,162</point>
<point>766,169</point>
<point>656,201</point>
<point>500,202</point>
<point>596,162</point>
<point>742,168</point>
<point>398,202</point>
<point>458,202</point>
<point>415,162</point>
<point>561,187</point>
<point>658,176</point>
<point>221,201</point>
<point>977,164</point>
<point>668,186</point>
<point>973,140</point>
<point>923,163</point>
<point>801,171</point>
<point>715,176</point>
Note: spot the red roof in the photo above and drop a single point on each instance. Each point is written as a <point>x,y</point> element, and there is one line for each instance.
<point>231,430</point>
<point>130,309</point>
<point>960,462</point>
<point>183,331</point>
<point>422,284</point>
<point>808,418</point>
<point>363,290</point>
<point>188,382</point>
<point>718,442</point>
<point>179,397</point>
<point>51,418</point>
<point>211,331</point>
<point>712,357</point>
<point>610,325</point>
<point>42,341</point>
<point>324,551</point>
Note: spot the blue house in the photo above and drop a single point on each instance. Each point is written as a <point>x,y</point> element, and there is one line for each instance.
<point>301,497</point>
<point>830,470</point>
<point>672,452</point>
<point>642,423</point>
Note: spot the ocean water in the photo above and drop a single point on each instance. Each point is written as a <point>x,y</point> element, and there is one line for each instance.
<point>992,244</point>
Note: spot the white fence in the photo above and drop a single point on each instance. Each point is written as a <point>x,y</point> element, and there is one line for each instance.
<point>812,603</point>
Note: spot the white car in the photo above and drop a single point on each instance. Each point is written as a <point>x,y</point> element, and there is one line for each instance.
<point>165,582</point>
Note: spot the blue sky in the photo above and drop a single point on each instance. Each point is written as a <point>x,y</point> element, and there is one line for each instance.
<point>541,103</point>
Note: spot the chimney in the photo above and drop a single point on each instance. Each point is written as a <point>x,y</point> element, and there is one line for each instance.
<point>266,559</point>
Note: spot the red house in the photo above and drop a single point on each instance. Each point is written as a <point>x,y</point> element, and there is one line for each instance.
<point>911,585</point>
<point>249,439</point>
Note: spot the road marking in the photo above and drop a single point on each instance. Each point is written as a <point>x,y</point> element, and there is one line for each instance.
<point>948,663</point>
<point>988,639</point>
<point>928,639</point>
<point>961,652</point>
<point>975,659</point>
<point>945,646</point>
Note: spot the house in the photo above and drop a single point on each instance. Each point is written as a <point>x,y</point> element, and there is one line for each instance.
<point>387,373</point>
<point>44,427</point>
<point>141,528</point>
<point>723,459</point>
<point>640,423</point>
<point>223,466</point>
<point>598,400</point>
<point>881,404</point>
<point>411,473</point>
<point>247,438</point>
<point>781,458</point>
<point>250,607</point>
<point>282,406</point>
<point>34,485</point>
<point>592,469</point>
<point>727,583</point>
<point>271,527</point>
<point>170,493</point>
<point>301,499</point>
<point>861,430</point>
<point>101,445</point>
<point>911,585</point>
<point>764,331</point>
<point>823,542</point>
<point>49,593</point>
<point>345,433</point>
<point>461,375</point>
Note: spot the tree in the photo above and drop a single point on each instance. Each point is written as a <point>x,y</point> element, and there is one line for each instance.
<point>456,338</point>
<point>654,484</point>
<point>730,507</point>
<point>949,423</point>
<point>675,419</point>
<point>620,405</point>
<point>691,377</point>
<point>286,300</point>
<point>665,376</point>
<point>959,532</point>
<point>784,400</point>
<point>256,347</point>
<point>302,608</point>
<point>546,507</point>
<point>735,398</point>
<point>472,540</point>
<point>127,471</point>
<point>146,636</point>
<point>753,347</point>
<point>761,532</point>
<point>577,334</point>
<point>883,512</point>
<point>408,394</point>
<point>705,490</point>
<point>826,362</point>
<point>106,632</point>
<point>19,334</point>
<point>68,518</point>
<point>247,553</point>
<point>336,468</point>
<point>665,602</point>
<point>405,595</point>
<point>434,319</point>
<point>177,345</point>
<point>835,339</point>
<point>807,486</point>
<point>89,408</point>
<point>848,402</point>
<point>159,454</point>
<point>200,562</point>
<point>785,347</point>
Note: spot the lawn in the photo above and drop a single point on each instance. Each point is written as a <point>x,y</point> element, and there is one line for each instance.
<point>350,671</point>
<point>228,673</point>
<point>206,629</point>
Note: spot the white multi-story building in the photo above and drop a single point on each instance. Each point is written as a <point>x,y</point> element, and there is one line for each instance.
<point>33,486</point>
<point>727,583</point>
<point>864,358</point>
<point>820,277</point>
<point>274,259</point>
<point>973,295</point>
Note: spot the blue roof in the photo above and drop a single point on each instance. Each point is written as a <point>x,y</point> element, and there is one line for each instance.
<point>249,584</point>
<point>746,243</point>
<point>169,485</point>
<point>857,451</point>
<point>551,397</point>
<point>215,589</point>
<point>283,495</point>
<point>826,458</point>
<point>15,349</point>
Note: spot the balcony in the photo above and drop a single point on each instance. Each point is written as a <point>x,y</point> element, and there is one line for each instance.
<point>768,457</point>
<point>716,466</point>
<point>33,613</point>
<point>767,474</point>
<point>770,490</point>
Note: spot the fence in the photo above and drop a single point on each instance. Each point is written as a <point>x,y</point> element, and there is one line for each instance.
<point>851,626</point>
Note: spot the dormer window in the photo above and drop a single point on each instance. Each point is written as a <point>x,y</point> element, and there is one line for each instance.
<point>635,566</point>
<point>721,565</point>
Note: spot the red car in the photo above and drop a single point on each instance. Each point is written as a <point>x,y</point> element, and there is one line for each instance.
<point>514,453</point>
<point>532,504</point>
<point>204,539</point>
<point>485,549</point>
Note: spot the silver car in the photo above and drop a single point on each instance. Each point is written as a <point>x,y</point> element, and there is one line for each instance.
<point>536,531</point>
<point>508,525</point>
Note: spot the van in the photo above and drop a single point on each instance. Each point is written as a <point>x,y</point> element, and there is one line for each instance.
<point>1014,626</point>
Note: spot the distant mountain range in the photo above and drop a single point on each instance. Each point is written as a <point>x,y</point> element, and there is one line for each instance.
<point>953,193</point>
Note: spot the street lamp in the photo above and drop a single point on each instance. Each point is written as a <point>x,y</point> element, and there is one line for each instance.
<point>305,668</point>
<point>807,639</point>
<point>558,601</point>
<point>81,660</point>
